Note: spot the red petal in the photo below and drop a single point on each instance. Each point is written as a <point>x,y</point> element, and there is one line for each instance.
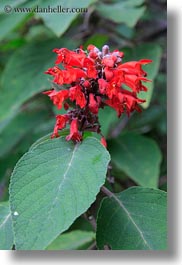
<point>145,61</point>
<point>93,106</point>
<point>103,85</point>
<point>74,133</point>
<point>103,142</point>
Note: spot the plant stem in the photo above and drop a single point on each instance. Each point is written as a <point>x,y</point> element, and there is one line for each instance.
<point>93,246</point>
<point>107,192</point>
<point>122,124</point>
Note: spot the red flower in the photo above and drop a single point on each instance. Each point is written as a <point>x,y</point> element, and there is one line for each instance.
<point>73,75</point>
<point>116,104</point>
<point>103,142</point>
<point>108,73</point>
<point>134,82</point>
<point>74,135</point>
<point>134,67</point>
<point>68,57</point>
<point>75,93</point>
<point>65,76</point>
<point>87,84</point>
<point>92,80</point>
<point>109,61</point>
<point>130,101</point>
<point>103,86</point>
<point>93,105</point>
<point>93,51</point>
<point>57,73</point>
<point>112,89</point>
<point>61,121</point>
<point>91,71</point>
<point>57,97</point>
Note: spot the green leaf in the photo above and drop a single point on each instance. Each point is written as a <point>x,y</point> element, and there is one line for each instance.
<point>148,51</point>
<point>12,44</point>
<point>107,118</point>
<point>19,127</point>
<point>147,119</point>
<point>125,31</point>
<point>6,232</point>
<point>126,11</point>
<point>73,240</point>
<point>98,39</point>
<point>41,140</point>
<point>134,219</point>
<point>7,165</point>
<point>53,184</point>
<point>24,74</point>
<point>9,21</point>
<point>138,156</point>
<point>60,21</point>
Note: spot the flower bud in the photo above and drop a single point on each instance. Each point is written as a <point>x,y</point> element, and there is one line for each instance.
<point>105,50</point>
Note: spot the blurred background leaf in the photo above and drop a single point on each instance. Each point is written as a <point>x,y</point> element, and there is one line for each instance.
<point>24,73</point>
<point>137,27</point>
<point>139,157</point>
<point>75,240</point>
<point>127,11</point>
<point>60,23</point>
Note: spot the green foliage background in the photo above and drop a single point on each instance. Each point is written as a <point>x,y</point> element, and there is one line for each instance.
<point>137,145</point>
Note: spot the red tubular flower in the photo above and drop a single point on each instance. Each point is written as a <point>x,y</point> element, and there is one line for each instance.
<point>57,97</point>
<point>112,89</point>
<point>93,105</point>
<point>87,84</point>
<point>61,121</point>
<point>75,93</point>
<point>109,73</point>
<point>73,75</point>
<point>74,135</point>
<point>116,104</point>
<point>134,82</point>
<point>103,142</point>
<point>103,86</point>
<point>93,51</point>
<point>57,73</point>
<point>134,67</point>
<point>68,57</point>
<point>109,61</point>
<point>92,80</point>
<point>90,68</point>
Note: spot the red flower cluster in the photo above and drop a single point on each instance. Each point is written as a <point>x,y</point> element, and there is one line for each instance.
<point>91,80</point>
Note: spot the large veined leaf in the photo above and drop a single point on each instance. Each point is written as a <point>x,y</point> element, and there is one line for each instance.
<point>53,184</point>
<point>138,156</point>
<point>6,232</point>
<point>24,74</point>
<point>73,240</point>
<point>126,11</point>
<point>59,21</point>
<point>134,219</point>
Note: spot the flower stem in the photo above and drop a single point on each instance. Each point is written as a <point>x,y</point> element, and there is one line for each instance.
<point>107,192</point>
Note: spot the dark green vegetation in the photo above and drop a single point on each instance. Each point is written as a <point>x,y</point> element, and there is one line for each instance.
<point>55,182</point>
